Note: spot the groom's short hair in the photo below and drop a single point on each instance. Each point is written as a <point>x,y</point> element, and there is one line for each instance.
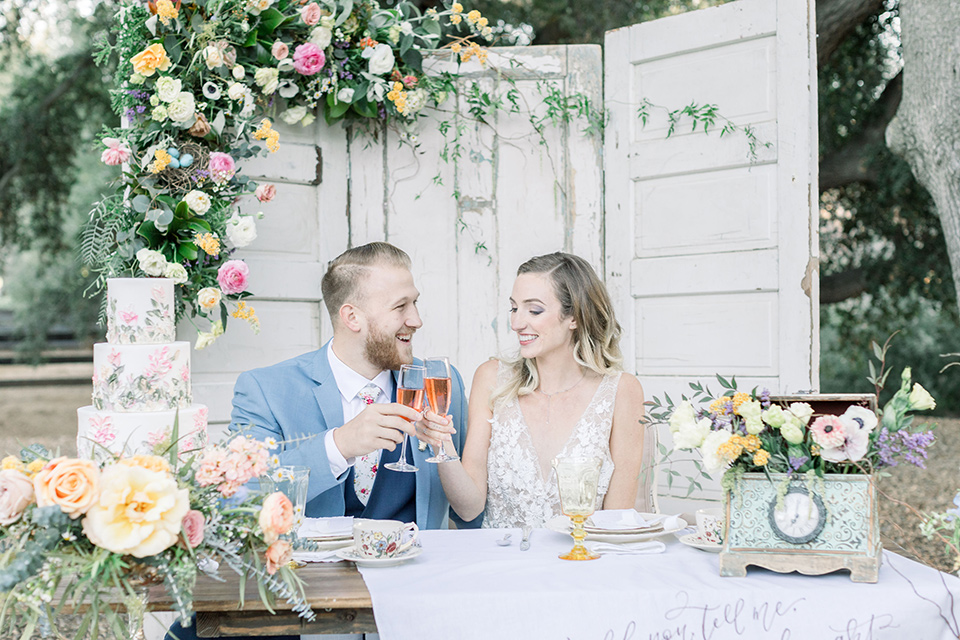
<point>345,273</point>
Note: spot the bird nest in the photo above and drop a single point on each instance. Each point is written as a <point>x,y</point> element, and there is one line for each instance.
<point>185,179</point>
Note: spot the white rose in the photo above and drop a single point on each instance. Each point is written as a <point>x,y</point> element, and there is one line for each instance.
<point>175,272</point>
<point>801,410</point>
<point>151,262</point>
<point>159,113</point>
<point>238,72</point>
<point>691,435</point>
<point>208,297</point>
<point>183,108</point>
<point>294,115</point>
<point>198,201</point>
<point>268,79</point>
<point>321,36</point>
<point>308,120</point>
<point>213,56</point>
<point>712,461</point>
<point>241,230</point>
<point>683,415</point>
<point>406,28</point>
<point>381,58</point>
<point>236,91</point>
<point>345,94</point>
<point>167,88</point>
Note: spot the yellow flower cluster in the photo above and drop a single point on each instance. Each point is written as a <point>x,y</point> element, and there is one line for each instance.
<point>166,11</point>
<point>244,312</point>
<point>751,442</point>
<point>731,449</point>
<point>717,406</point>
<point>266,132</point>
<point>160,161</point>
<point>14,463</point>
<point>398,97</point>
<point>761,458</point>
<point>814,449</point>
<point>738,399</point>
<point>209,243</point>
<point>473,49</point>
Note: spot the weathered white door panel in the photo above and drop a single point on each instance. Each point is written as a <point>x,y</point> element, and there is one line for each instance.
<point>708,243</point>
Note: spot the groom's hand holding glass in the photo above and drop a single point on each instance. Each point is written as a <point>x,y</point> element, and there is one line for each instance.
<point>378,426</point>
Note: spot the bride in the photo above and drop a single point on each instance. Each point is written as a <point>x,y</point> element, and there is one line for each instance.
<point>562,395</point>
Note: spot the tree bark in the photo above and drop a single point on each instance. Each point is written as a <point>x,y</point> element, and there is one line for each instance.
<point>840,286</point>
<point>926,129</point>
<point>835,20</point>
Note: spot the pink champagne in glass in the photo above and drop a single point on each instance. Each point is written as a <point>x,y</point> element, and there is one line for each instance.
<point>438,386</point>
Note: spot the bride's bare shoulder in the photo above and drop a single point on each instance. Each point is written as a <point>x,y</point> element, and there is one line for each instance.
<point>486,373</point>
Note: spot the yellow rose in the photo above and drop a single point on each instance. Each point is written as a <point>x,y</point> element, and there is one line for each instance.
<point>153,463</point>
<point>69,483</point>
<point>139,511</point>
<point>151,59</point>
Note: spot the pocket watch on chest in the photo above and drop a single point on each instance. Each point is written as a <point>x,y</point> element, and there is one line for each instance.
<point>800,519</point>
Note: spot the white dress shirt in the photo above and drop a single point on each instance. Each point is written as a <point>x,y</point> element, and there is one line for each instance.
<point>349,382</point>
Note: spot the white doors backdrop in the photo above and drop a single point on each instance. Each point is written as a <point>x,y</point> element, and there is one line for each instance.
<point>710,257</point>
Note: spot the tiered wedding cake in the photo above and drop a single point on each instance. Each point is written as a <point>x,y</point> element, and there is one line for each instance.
<point>141,377</point>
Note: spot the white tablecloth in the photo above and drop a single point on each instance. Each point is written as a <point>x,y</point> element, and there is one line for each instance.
<point>464,586</point>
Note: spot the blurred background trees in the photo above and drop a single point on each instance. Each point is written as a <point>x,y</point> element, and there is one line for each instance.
<point>884,262</point>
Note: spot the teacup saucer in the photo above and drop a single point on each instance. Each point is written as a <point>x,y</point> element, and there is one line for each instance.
<point>694,540</point>
<point>350,554</point>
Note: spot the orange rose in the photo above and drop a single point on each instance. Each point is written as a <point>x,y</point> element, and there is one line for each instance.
<point>150,59</point>
<point>276,517</point>
<point>153,463</point>
<point>71,484</point>
<point>278,554</point>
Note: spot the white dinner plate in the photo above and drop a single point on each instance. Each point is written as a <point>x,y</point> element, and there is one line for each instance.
<point>562,524</point>
<point>694,540</point>
<point>653,529</point>
<point>350,554</point>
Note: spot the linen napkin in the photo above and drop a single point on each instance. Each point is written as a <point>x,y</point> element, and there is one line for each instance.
<point>329,555</point>
<point>616,519</point>
<point>629,548</point>
<point>320,527</point>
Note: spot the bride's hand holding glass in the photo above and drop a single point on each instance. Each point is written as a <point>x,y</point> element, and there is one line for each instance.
<point>435,429</point>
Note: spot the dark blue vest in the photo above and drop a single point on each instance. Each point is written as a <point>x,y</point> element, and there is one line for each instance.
<point>394,494</point>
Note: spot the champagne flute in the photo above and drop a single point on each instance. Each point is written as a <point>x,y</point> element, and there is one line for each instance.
<point>438,393</point>
<point>409,393</point>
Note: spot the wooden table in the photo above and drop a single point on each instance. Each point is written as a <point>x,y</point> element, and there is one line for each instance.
<point>335,591</point>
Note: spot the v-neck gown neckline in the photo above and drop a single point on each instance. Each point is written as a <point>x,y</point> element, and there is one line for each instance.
<point>517,493</point>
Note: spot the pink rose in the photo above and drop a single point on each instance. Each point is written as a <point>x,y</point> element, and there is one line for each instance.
<point>117,152</point>
<point>232,276</point>
<point>193,528</point>
<point>280,50</point>
<point>308,59</point>
<point>16,494</point>
<point>266,192</point>
<point>222,166</point>
<point>409,81</point>
<point>276,516</point>
<point>310,14</point>
<point>278,554</point>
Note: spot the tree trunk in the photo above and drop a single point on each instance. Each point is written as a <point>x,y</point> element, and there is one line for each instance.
<point>926,129</point>
<point>835,20</point>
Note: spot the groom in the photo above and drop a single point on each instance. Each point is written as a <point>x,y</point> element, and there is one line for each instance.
<point>344,395</point>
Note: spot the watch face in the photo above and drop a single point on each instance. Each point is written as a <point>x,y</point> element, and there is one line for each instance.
<point>801,517</point>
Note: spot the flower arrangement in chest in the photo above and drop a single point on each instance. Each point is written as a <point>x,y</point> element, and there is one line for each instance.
<point>737,432</point>
<point>199,88</point>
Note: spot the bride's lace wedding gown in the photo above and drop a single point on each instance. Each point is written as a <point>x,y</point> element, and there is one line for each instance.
<point>517,494</point>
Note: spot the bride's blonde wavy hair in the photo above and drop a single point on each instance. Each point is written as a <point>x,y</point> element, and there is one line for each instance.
<point>596,337</point>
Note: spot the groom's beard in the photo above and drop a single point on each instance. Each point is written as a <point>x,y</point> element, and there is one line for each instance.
<point>383,350</point>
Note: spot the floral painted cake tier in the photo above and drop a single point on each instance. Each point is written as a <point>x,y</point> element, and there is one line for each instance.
<point>103,434</point>
<point>151,377</point>
<point>140,311</point>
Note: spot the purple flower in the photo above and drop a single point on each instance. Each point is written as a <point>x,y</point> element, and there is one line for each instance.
<point>912,447</point>
<point>797,461</point>
<point>765,398</point>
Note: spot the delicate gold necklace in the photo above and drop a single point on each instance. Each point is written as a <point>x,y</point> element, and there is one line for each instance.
<point>557,393</point>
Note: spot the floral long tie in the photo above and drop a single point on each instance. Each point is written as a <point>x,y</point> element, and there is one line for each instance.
<point>365,468</point>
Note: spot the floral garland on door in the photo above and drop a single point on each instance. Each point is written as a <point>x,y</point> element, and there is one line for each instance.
<point>199,85</point>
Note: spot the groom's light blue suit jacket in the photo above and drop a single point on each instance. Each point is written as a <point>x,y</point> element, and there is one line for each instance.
<point>299,397</point>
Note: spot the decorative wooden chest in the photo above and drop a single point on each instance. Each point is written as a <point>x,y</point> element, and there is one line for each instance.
<point>819,526</point>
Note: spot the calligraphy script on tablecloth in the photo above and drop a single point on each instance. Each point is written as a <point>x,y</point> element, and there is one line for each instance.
<point>690,620</point>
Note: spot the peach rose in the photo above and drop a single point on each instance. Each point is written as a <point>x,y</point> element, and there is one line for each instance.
<point>193,528</point>
<point>139,512</point>
<point>311,14</point>
<point>71,484</point>
<point>16,494</point>
<point>151,59</point>
<point>153,463</point>
<point>266,192</point>
<point>278,554</point>
<point>279,50</point>
<point>276,516</point>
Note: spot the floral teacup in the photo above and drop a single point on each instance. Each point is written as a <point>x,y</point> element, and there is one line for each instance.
<point>382,538</point>
<point>710,525</point>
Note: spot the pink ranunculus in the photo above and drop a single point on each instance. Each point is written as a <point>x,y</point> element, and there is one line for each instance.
<point>279,50</point>
<point>266,192</point>
<point>278,554</point>
<point>308,59</point>
<point>193,528</point>
<point>310,14</point>
<point>222,166</point>
<point>117,152</point>
<point>232,276</point>
<point>16,494</point>
<point>276,516</point>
